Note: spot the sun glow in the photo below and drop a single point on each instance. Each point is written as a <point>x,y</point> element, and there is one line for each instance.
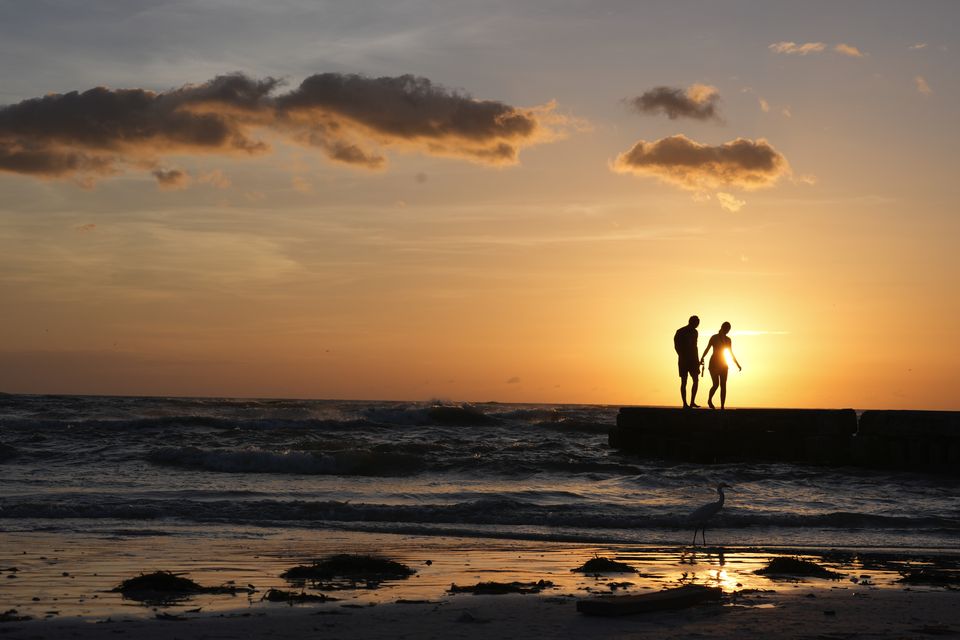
<point>728,358</point>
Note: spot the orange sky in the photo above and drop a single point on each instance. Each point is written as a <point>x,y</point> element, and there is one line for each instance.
<point>553,278</point>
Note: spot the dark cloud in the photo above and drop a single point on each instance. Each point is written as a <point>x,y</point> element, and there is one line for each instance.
<point>741,163</point>
<point>339,110</point>
<point>349,118</point>
<point>697,101</point>
<point>171,178</point>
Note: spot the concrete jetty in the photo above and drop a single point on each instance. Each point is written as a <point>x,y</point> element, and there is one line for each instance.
<point>917,440</point>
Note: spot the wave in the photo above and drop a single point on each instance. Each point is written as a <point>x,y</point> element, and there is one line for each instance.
<point>351,463</point>
<point>371,417</point>
<point>487,511</point>
<point>185,421</point>
<point>7,452</point>
<point>427,415</point>
<point>533,414</point>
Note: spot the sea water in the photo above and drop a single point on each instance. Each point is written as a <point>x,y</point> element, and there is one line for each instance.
<point>155,466</point>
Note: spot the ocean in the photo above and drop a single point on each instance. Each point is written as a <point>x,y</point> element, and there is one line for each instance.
<point>133,466</point>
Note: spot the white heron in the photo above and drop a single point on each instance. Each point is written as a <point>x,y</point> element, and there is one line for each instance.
<point>700,517</point>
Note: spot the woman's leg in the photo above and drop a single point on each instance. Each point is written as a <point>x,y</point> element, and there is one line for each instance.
<point>723,388</point>
<point>713,389</point>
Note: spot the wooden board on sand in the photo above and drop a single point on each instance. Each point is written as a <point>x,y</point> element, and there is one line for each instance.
<point>677,598</point>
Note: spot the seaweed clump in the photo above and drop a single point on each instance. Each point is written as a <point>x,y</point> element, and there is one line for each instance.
<point>161,587</point>
<point>930,576</point>
<point>500,588</point>
<point>784,566</point>
<point>292,597</point>
<point>344,571</point>
<point>10,615</point>
<point>604,565</point>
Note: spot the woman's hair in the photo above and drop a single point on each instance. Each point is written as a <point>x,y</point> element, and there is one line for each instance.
<point>725,327</point>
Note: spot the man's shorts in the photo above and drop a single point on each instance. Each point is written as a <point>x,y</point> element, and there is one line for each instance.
<point>692,367</point>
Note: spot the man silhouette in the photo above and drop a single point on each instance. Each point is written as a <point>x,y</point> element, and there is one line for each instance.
<point>688,359</point>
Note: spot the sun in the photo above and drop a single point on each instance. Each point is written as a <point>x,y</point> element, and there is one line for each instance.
<point>728,358</point>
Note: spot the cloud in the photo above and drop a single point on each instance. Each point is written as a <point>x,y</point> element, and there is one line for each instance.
<point>215,178</point>
<point>918,46</point>
<point>730,202</point>
<point>350,119</point>
<point>513,380</point>
<point>758,332</point>
<point>764,105</point>
<point>922,85</point>
<point>171,178</point>
<point>792,48</point>
<point>807,48</point>
<point>698,101</point>
<point>740,163</point>
<point>848,50</point>
<point>301,185</point>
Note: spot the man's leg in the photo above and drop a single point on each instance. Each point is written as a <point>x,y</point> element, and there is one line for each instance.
<point>683,388</point>
<point>693,390</point>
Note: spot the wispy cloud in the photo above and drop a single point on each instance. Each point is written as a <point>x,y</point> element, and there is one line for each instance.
<point>730,202</point>
<point>918,46</point>
<point>758,332</point>
<point>848,50</point>
<point>792,48</point>
<point>808,48</point>
<point>922,85</point>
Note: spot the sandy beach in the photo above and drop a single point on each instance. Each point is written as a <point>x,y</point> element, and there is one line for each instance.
<point>806,612</point>
<point>64,585</point>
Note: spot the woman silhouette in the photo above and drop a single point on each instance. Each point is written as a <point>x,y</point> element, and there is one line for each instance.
<point>721,345</point>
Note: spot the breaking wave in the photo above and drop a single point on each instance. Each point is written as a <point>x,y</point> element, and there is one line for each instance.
<point>358,463</point>
<point>487,511</point>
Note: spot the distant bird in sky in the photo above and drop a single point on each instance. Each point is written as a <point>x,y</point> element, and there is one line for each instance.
<point>700,517</point>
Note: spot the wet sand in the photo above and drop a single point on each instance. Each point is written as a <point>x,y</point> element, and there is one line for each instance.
<point>63,582</point>
<point>829,615</point>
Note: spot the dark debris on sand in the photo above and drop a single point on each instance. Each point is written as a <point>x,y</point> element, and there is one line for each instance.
<point>162,587</point>
<point>344,571</point>
<point>793,567</point>
<point>604,565</point>
<point>294,597</point>
<point>929,576</point>
<point>10,615</point>
<point>500,588</point>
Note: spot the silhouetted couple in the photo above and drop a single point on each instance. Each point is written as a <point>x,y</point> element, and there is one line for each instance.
<point>685,343</point>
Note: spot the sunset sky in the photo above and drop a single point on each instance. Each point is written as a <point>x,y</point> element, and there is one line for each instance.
<point>256,202</point>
